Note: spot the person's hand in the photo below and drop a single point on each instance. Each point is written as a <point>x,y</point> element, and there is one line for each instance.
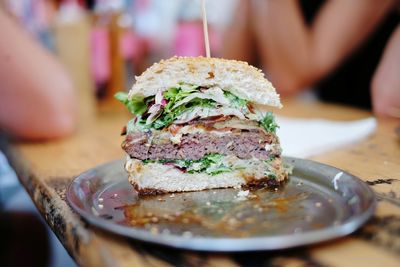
<point>386,81</point>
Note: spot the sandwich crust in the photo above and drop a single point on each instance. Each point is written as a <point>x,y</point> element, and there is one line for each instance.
<point>249,156</point>
<point>152,179</point>
<point>238,77</point>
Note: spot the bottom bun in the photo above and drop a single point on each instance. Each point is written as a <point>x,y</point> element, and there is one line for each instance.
<point>155,178</point>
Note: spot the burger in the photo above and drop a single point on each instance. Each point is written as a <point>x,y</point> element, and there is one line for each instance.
<point>200,123</point>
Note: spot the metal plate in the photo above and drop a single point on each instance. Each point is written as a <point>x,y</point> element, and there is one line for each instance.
<point>318,203</point>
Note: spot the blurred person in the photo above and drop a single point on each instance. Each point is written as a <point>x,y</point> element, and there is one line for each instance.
<point>386,80</point>
<point>334,46</point>
<point>37,96</point>
<point>37,102</point>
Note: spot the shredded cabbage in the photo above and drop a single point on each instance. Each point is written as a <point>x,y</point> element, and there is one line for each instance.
<point>184,103</point>
<point>204,112</point>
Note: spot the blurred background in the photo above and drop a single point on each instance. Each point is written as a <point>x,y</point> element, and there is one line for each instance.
<point>347,52</point>
<point>299,44</point>
<point>104,43</point>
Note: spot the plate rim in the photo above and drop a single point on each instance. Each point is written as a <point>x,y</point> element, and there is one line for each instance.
<point>228,244</point>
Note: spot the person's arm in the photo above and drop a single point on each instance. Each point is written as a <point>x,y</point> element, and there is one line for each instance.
<point>36,95</point>
<point>296,55</point>
<point>238,36</point>
<point>386,80</point>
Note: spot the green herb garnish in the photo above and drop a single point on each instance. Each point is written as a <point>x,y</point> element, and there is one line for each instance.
<point>210,164</point>
<point>136,105</point>
<point>268,122</point>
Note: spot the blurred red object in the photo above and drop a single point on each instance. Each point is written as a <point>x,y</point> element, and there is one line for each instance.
<point>100,58</point>
<point>189,39</point>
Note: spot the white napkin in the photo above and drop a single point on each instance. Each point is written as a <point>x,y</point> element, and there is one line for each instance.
<point>304,137</point>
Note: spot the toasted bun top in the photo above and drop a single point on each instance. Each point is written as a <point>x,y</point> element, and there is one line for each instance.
<point>238,77</point>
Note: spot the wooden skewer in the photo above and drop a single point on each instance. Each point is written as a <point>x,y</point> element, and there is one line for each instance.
<point>205,29</point>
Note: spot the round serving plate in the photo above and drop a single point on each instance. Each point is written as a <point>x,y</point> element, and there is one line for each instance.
<point>319,203</point>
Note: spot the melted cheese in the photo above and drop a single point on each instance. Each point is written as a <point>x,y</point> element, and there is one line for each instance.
<point>192,129</point>
<point>237,124</point>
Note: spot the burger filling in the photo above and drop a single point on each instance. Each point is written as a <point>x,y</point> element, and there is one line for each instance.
<point>202,130</point>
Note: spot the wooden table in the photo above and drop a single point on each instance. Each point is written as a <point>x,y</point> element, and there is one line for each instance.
<point>45,169</point>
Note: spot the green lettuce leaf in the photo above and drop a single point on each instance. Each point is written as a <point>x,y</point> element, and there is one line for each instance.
<point>210,164</point>
<point>136,105</point>
<point>268,122</point>
<point>236,102</point>
<point>174,95</point>
<point>137,125</point>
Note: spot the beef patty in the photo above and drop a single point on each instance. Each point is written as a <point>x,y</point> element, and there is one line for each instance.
<point>243,144</point>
